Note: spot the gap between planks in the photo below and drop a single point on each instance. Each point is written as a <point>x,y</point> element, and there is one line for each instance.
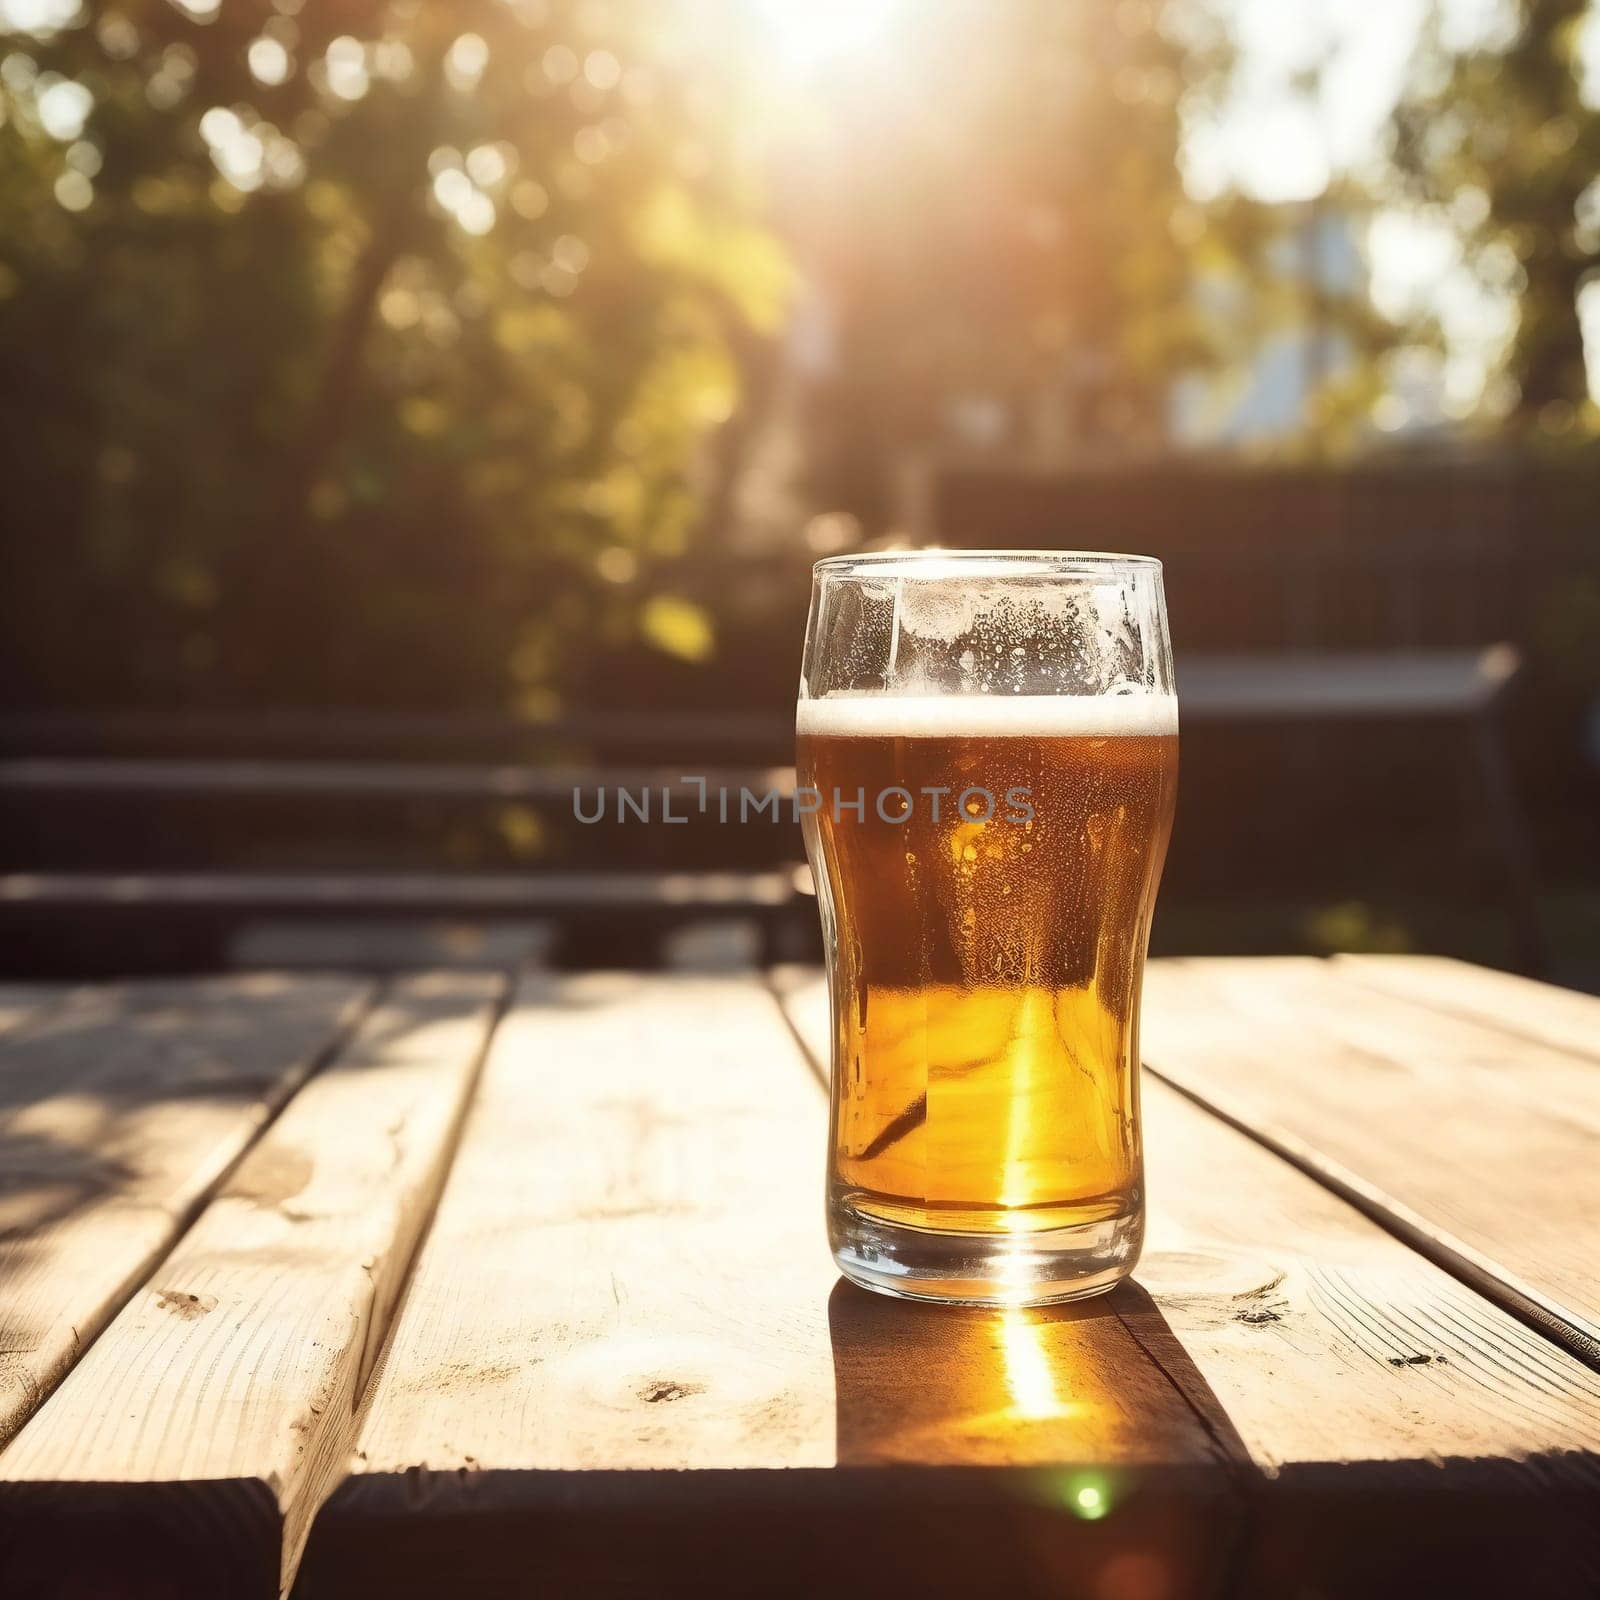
<point>625,1316</point>
<point>122,1108</point>
<point>1437,1126</point>
<point>218,1408</point>
<point>1270,1294</point>
<point>649,1148</point>
<point>802,1001</point>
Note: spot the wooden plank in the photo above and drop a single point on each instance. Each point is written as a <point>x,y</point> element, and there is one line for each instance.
<point>401,893</point>
<point>404,780</point>
<point>380,945</point>
<point>625,1316</point>
<point>1478,1146</point>
<point>120,1108</point>
<point>1373,1390</point>
<point>1364,684</point>
<point>1563,1018</point>
<point>722,734</point>
<point>216,1410</point>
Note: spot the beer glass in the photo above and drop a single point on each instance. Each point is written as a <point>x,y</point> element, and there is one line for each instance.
<point>988,754</point>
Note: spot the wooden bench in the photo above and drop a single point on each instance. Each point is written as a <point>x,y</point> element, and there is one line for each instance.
<point>1303,596</point>
<point>625,902</point>
<point>124,920</point>
<point>437,1287</point>
<point>1464,690</point>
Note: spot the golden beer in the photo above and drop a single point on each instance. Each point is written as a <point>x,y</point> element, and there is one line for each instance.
<point>990,898</point>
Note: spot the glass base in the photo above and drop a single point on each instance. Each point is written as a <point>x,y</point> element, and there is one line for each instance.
<point>998,1269</point>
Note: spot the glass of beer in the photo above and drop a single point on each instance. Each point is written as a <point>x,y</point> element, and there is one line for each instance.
<point>988,759</point>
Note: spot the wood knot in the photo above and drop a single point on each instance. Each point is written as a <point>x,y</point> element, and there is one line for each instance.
<point>662,1389</point>
<point>1259,1315</point>
<point>1414,1361</point>
<point>273,1175</point>
<point>183,1304</point>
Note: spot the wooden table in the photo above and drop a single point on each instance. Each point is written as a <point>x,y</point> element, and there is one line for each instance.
<point>456,1286</point>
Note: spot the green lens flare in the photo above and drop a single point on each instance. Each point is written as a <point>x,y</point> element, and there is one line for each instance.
<point>1089,1498</point>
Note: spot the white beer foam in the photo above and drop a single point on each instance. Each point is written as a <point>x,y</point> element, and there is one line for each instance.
<point>991,716</point>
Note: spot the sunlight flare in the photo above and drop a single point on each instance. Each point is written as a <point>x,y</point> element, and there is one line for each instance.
<point>807,33</point>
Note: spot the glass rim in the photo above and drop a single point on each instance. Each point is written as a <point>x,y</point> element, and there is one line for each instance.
<point>1013,563</point>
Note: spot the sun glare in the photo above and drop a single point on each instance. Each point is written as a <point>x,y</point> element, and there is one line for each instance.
<point>808,33</point>
<point>1026,1362</point>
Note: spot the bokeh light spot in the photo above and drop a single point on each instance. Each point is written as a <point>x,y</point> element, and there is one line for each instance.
<point>268,61</point>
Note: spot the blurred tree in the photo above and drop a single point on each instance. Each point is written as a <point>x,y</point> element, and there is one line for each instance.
<point>1506,137</point>
<point>1298,353</point>
<point>356,352</point>
<point>1002,253</point>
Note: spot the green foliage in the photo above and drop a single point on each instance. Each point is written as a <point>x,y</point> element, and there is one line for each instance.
<point>368,351</point>
<point>1504,137</point>
<point>356,352</point>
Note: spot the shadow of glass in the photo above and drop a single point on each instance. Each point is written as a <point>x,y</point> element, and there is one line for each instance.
<point>1102,1380</point>
<point>1078,1448</point>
